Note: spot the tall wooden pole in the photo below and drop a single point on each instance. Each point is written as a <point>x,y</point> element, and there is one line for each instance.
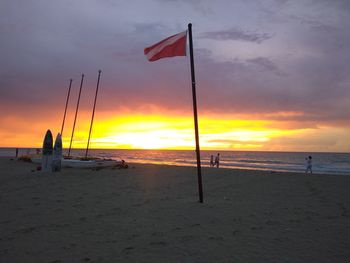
<point>93,113</point>
<point>199,171</point>
<point>65,110</point>
<point>76,114</point>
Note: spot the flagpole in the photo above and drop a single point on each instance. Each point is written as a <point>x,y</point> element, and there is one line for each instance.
<point>93,113</point>
<point>199,172</point>
<point>76,114</point>
<point>65,110</point>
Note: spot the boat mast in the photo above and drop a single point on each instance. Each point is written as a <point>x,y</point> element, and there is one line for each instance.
<point>65,110</point>
<point>76,114</point>
<point>93,113</point>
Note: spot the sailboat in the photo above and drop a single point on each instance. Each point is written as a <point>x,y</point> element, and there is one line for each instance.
<point>83,162</point>
<point>89,162</point>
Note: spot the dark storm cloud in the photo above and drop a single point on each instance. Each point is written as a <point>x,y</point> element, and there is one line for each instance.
<point>237,34</point>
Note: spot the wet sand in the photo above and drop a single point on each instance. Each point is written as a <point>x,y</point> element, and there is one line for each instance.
<point>151,213</point>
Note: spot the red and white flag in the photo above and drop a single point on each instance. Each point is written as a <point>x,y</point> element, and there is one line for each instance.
<point>170,47</point>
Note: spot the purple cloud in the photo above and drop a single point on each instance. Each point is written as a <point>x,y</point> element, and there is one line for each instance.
<point>237,34</point>
<point>296,68</point>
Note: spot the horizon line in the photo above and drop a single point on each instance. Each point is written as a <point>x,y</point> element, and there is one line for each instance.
<point>162,149</point>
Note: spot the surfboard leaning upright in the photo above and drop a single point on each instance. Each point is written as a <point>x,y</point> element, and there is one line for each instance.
<point>46,163</point>
<point>57,154</point>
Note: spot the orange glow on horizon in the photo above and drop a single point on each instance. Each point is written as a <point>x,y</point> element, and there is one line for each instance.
<point>177,132</point>
<point>160,131</point>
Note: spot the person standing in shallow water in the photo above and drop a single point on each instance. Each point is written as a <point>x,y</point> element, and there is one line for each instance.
<point>308,165</point>
<point>217,160</point>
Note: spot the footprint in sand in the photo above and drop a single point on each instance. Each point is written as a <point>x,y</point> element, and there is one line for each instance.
<point>26,230</point>
<point>4,252</point>
<point>187,238</point>
<point>235,232</point>
<point>110,241</point>
<point>127,250</point>
<point>217,238</point>
<point>157,234</point>
<point>257,228</point>
<point>59,225</point>
<point>345,211</point>
<point>272,223</point>
<point>158,243</point>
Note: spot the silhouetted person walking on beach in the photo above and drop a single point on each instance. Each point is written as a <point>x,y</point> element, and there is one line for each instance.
<point>217,160</point>
<point>308,164</point>
<point>211,161</point>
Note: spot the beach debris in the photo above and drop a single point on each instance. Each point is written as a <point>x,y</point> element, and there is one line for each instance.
<point>122,165</point>
<point>25,158</point>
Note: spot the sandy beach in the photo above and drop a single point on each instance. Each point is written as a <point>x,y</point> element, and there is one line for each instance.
<point>151,213</point>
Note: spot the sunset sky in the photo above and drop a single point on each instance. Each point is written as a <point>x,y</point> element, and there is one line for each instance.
<point>272,75</point>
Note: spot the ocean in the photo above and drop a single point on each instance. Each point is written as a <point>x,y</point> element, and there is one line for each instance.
<point>323,163</point>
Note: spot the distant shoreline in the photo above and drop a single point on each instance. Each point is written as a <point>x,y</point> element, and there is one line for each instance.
<point>323,163</point>
<point>190,150</point>
<point>205,169</point>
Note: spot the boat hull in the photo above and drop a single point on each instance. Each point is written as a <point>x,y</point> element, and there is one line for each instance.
<point>89,164</point>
